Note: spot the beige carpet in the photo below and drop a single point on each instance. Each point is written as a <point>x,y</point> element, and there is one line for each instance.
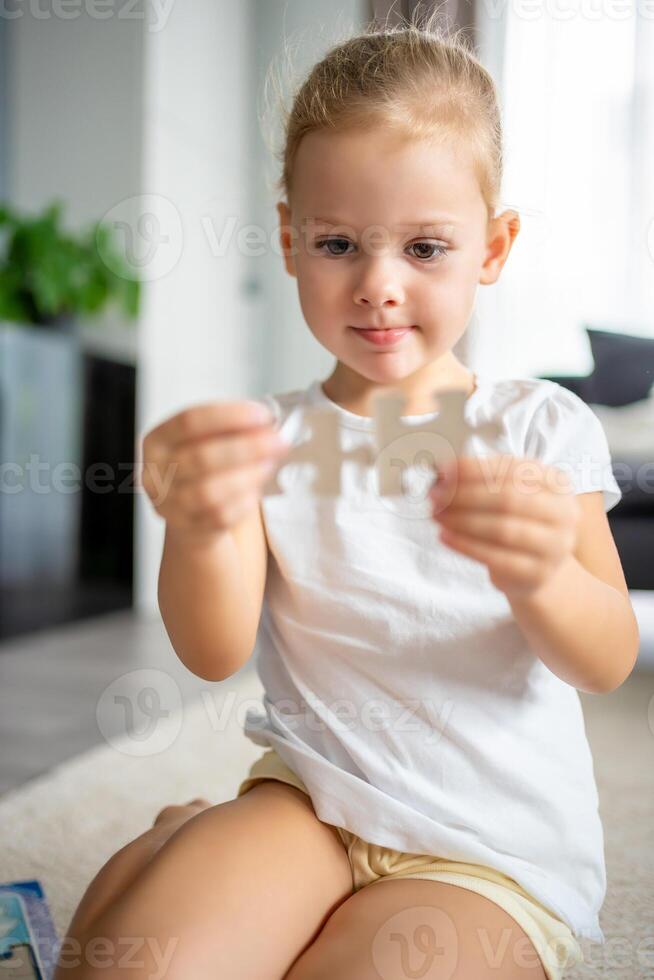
<point>62,827</point>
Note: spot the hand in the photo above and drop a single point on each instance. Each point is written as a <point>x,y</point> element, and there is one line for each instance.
<point>204,468</point>
<point>517,516</point>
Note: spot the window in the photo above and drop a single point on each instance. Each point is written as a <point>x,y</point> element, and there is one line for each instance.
<point>578,112</point>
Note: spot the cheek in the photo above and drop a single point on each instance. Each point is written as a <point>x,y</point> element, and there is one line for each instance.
<point>313,272</point>
<point>312,287</point>
<point>448,288</point>
<point>435,295</point>
<point>318,300</point>
<point>319,284</point>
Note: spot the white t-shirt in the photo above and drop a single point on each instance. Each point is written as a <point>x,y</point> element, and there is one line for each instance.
<point>398,685</point>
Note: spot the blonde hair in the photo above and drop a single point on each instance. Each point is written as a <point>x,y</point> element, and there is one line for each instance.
<point>413,79</point>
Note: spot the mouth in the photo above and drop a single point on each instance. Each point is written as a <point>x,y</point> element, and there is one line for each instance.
<point>387,337</point>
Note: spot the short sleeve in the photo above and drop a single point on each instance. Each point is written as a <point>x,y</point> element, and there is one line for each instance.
<point>564,432</point>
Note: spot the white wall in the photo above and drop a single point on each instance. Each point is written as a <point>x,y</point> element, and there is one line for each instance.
<point>194,342</point>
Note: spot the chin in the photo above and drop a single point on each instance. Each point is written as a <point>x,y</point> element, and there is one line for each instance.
<point>389,371</point>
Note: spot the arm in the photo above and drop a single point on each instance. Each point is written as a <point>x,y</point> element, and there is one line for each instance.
<point>583,629</point>
<point>210,596</point>
<point>577,616</point>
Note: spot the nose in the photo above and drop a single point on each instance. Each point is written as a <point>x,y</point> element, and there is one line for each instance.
<point>378,286</point>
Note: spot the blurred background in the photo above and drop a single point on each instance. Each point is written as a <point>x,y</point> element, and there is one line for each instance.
<point>140,272</point>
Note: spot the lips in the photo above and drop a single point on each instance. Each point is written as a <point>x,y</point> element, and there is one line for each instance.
<point>383,338</point>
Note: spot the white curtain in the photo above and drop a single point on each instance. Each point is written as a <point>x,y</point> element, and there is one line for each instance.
<point>577,96</point>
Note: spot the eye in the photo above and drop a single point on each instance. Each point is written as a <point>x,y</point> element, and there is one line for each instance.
<point>438,250</point>
<point>320,246</point>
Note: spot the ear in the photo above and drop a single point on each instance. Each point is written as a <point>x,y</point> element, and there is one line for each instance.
<point>502,232</point>
<point>286,237</point>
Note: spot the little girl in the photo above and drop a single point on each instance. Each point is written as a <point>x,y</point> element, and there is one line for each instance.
<point>421,721</point>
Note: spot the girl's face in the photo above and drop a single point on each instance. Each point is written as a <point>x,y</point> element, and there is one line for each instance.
<point>383,233</point>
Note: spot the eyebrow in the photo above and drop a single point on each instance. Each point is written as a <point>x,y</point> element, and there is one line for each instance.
<point>434,220</point>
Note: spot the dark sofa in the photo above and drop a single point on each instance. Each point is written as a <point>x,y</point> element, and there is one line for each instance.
<point>623,373</point>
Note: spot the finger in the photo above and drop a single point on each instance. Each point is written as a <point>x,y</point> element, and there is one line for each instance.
<point>206,419</point>
<point>182,501</point>
<point>494,470</point>
<point>498,468</point>
<point>216,493</point>
<point>513,533</point>
<point>211,455</point>
<point>525,475</point>
<point>501,562</point>
<point>539,505</point>
<point>212,418</point>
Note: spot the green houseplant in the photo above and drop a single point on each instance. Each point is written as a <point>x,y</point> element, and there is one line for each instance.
<point>49,276</point>
<point>50,281</point>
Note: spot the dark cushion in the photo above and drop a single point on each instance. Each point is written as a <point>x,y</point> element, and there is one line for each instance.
<point>632,536</point>
<point>581,385</point>
<point>624,368</point>
<point>636,480</point>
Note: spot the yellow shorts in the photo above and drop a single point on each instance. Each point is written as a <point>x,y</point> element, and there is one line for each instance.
<point>553,940</point>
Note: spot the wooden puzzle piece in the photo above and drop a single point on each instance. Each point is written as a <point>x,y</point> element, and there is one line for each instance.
<point>323,449</point>
<point>435,441</point>
<point>450,428</point>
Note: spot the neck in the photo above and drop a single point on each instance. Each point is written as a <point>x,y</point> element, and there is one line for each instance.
<point>353,391</point>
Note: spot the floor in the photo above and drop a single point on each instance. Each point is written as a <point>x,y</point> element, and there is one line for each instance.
<point>54,688</point>
<point>52,683</point>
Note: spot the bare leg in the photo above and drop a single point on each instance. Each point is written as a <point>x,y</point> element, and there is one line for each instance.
<point>237,891</point>
<point>126,864</point>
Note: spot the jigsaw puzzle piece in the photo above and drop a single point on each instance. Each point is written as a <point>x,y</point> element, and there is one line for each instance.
<point>401,444</point>
<point>323,449</point>
<point>397,444</point>
<point>431,443</point>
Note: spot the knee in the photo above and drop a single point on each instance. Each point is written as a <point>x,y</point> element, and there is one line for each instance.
<point>179,812</point>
